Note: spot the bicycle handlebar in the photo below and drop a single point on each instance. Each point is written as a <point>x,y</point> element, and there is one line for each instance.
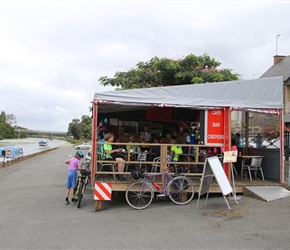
<point>84,171</point>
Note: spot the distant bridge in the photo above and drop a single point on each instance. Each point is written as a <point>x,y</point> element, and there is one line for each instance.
<point>40,132</point>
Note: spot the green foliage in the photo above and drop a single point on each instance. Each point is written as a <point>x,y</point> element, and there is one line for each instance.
<point>81,129</point>
<point>271,131</point>
<point>6,129</point>
<point>167,72</point>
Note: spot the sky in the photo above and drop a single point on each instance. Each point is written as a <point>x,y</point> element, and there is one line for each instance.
<point>52,53</point>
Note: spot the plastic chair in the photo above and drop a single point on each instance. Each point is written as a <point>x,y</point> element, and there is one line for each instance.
<point>155,165</point>
<point>255,165</point>
<point>103,165</point>
<point>173,165</point>
<point>142,157</point>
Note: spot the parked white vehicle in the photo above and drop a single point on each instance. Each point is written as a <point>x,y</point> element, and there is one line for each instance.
<point>83,146</point>
<point>89,154</point>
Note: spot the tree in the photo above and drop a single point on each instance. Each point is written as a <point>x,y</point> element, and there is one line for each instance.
<point>167,72</point>
<point>86,126</point>
<point>11,119</point>
<point>81,128</point>
<point>6,129</point>
<point>74,128</point>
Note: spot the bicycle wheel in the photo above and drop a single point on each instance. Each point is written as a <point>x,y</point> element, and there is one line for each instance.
<point>80,195</point>
<point>139,195</point>
<point>76,190</point>
<point>180,190</point>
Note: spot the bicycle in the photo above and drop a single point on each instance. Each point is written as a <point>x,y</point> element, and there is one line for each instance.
<point>83,180</point>
<point>179,188</point>
<point>87,166</point>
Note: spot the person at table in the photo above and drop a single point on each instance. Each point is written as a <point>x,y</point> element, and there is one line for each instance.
<point>146,135</point>
<point>155,149</point>
<point>145,146</point>
<point>113,154</point>
<point>190,148</point>
<point>175,150</point>
<point>132,148</point>
<point>163,139</point>
<point>196,136</point>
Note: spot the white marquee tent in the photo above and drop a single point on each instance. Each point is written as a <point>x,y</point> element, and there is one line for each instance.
<point>256,95</point>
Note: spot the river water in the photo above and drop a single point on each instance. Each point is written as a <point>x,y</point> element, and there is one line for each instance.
<point>30,145</point>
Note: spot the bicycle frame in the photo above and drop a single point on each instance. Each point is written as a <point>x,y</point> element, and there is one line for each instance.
<point>179,188</point>
<point>168,178</point>
<point>81,185</point>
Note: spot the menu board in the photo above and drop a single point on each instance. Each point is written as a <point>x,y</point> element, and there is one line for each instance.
<point>230,156</point>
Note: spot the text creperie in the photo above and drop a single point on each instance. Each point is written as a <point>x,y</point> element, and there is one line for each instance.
<point>215,136</point>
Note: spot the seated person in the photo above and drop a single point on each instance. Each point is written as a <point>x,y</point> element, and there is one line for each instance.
<point>143,146</point>
<point>101,153</point>
<point>175,150</point>
<point>113,154</point>
<point>155,149</point>
<point>146,135</point>
<point>189,140</point>
<point>132,148</point>
<point>163,139</point>
<point>190,148</point>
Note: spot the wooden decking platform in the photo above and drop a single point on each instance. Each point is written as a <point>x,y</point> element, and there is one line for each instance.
<point>122,185</point>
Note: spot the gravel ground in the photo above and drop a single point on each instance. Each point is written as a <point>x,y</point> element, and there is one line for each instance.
<point>33,216</point>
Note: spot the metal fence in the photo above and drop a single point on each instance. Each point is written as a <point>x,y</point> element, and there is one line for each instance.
<point>259,141</point>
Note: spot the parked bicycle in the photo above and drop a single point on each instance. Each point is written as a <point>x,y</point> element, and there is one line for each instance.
<point>179,188</point>
<point>83,180</point>
<point>87,166</point>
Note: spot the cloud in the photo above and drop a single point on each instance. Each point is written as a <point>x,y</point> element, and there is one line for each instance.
<point>54,52</point>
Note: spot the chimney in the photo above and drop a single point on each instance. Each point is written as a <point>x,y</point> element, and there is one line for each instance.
<point>278,58</point>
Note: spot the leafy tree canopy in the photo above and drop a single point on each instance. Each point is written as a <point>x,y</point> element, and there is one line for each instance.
<point>81,129</point>
<point>167,72</point>
<point>6,129</point>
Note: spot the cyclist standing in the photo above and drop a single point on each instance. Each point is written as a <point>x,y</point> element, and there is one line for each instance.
<point>74,165</point>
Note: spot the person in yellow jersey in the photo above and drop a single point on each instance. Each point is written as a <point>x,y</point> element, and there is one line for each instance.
<point>175,150</point>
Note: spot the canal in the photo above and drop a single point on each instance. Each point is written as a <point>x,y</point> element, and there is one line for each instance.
<point>30,145</point>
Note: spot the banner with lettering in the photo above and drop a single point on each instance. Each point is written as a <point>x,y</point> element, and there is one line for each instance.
<point>215,126</point>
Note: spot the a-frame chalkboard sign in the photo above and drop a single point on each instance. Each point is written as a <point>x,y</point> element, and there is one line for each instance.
<point>213,168</point>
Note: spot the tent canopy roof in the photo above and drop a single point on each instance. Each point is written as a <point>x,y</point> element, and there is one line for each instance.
<point>262,93</point>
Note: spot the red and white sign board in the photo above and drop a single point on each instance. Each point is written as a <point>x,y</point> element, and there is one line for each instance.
<point>214,127</point>
<point>103,191</point>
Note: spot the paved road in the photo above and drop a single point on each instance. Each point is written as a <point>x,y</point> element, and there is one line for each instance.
<point>33,216</point>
